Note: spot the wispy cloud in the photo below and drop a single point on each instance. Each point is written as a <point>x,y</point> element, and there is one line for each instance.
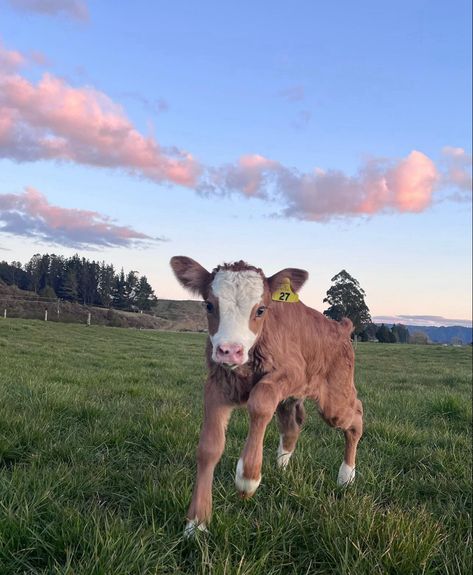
<point>302,119</point>
<point>75,9</point>
<point>10,60</point>
<point>293,93</point>
<point>30,214</point>
<point>153,105</point>
<point>428,320</point>
<point>457,175</point>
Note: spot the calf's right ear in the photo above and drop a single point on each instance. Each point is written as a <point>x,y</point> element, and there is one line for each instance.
<point>191,275</point>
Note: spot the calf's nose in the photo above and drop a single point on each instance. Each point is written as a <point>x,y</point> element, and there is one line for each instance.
<point>229,353</point>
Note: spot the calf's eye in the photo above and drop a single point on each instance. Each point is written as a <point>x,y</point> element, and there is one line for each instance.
<point>260,311</point>
<point>209,306</point>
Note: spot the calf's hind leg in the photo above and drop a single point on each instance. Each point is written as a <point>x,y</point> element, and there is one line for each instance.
<point>290,415</point>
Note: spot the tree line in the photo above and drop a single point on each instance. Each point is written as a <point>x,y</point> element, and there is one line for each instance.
<point>80,280</point>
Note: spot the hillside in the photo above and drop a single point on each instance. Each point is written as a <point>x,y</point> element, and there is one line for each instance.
<point>444,334</point>
<point>187,314</point>
<point>167,315</point>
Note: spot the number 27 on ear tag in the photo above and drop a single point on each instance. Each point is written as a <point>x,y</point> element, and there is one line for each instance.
<point>284,292</point>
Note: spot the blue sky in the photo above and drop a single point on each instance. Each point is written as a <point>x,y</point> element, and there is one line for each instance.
<point>374,96</point>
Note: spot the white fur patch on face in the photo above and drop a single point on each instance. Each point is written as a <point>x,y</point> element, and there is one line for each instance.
<point>243,485</point>
<point>346,475</point>
<point>283,455</point>
<point>238,293</point>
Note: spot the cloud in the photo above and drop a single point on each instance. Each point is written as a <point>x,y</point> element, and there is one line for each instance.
<point>52,120</point>
<point>428,320</point>
<point>248,177</point>
<point>10,60</point>
<point>30,214</point>
<point>302,120</point>
<point>458,172</point>
<point>155,106</point>
<point>293,93</point>
<point>76,9</point>
<point>380,186</point>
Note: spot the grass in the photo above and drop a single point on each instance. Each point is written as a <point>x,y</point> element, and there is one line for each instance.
<point>98,429</point>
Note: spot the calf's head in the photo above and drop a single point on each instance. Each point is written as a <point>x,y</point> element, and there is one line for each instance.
<point>238,300</point>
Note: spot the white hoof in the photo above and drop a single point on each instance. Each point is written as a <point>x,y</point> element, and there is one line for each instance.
<point>192,527</point>
<point>283,456</point>
<point>346,475</point>
<point>243,485</point>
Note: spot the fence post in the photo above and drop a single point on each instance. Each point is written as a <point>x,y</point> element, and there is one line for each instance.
<point>45,315</point>
<point>88,318</point>
<point>5,313</point>
<point>58,300</point>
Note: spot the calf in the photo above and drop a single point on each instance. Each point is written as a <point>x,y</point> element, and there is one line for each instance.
<point>268,351</point>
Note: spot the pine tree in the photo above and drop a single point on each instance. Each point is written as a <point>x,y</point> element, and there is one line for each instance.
<point>145,297</point>
<point>119,300</point>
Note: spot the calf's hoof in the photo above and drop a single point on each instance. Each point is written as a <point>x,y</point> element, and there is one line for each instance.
<point>346,475</point>
<point>193,527</point>
<point>283,456</point>
<point>245,487</point>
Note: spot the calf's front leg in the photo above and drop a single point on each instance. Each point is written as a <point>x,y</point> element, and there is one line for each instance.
<point>217,413</point>
<point>262,403</point>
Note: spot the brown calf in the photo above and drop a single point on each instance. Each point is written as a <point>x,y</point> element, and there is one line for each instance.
<point>268,355</point>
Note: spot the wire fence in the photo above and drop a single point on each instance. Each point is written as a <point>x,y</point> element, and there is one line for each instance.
<point>58,310</point>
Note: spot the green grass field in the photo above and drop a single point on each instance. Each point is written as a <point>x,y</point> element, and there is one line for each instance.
<point>98,430</point>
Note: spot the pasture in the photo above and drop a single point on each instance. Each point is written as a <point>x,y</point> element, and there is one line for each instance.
<point>98,430</point>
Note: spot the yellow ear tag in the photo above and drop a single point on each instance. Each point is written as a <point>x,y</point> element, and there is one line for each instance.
<point>284,292</point>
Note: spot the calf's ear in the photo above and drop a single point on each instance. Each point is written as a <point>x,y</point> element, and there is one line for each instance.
<point>296,276</point>
<point>191,275</point>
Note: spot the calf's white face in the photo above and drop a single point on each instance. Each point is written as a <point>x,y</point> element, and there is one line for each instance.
<point>238,295</point>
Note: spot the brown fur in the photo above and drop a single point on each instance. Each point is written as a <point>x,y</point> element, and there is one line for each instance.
<point>299,354</point>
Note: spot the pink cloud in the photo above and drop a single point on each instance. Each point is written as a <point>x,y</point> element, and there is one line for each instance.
<point>52,120</point>
<point>379,186</point>
<point>30,214</point>
<point>247,176</point>
<point>10,60</point>
<point>76,9</point>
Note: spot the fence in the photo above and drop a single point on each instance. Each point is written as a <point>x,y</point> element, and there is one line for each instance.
<point>56,310</point>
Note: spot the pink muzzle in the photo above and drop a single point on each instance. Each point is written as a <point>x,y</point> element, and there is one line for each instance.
<point>231,353</point>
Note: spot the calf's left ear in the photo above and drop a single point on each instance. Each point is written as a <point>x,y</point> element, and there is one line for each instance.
<point>296,276</point>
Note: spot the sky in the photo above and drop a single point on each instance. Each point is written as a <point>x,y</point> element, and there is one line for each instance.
<point>324,136</point>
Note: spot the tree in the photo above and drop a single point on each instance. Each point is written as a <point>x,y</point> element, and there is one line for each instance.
<point>347,299</point>
<point>131,288</point>
<point>119,291</point>
<point>369,333</point>
<point>145,295</point>
<point>384,334</point>
<point>419,338</point>
<point>401,333</point>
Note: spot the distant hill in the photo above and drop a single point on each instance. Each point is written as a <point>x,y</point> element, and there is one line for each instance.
<point>186,314</point>
<point>444,334</point>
